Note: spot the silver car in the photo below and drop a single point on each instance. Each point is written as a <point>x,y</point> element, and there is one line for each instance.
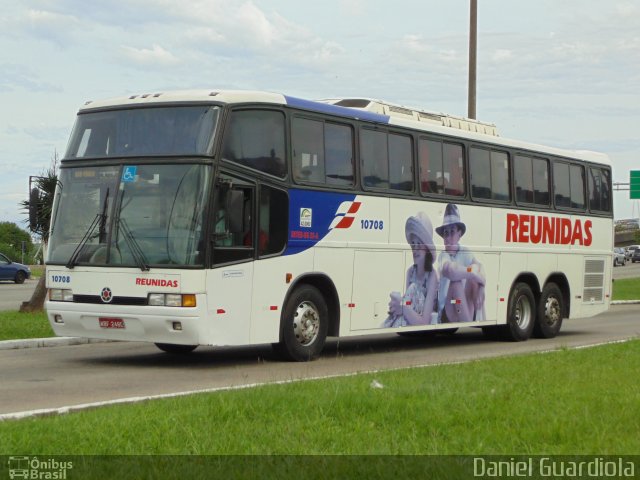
<point>619,257</point>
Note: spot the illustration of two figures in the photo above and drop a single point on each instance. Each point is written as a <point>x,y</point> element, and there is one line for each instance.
<point>449,290</point>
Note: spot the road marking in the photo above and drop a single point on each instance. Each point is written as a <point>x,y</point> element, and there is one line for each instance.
<point>123,401</point>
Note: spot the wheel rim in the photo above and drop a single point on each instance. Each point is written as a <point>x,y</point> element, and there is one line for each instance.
<point>306,323</point>
<point>552,312</point>
<point>522,312</point>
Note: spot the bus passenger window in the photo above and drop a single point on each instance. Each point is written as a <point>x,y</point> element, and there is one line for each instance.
<point>500,176</point>
<point>255,139</point>
<point>338,141</point>
<point>523,173</point>
<point>453,165</point>
<point>401,162</point>
<point>308,150</point>
<point>576,173</point>
<point>430,158</point>
<point>374,159</point>
<point>561,185</point>
<point>599,190</point>
<point>480,168</point>
<point>541,182</point>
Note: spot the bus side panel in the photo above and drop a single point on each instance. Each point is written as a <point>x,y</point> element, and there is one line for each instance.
<point>337,264</point>
<point>270,288</point>
<point>377,275</point>
<point>229,305</point>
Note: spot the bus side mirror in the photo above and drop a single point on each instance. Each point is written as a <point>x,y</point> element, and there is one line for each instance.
<point>34,207</point>
<point>235,211</point>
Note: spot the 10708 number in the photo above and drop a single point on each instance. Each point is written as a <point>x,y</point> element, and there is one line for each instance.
<point>61,278</point>
<point>371,224</point>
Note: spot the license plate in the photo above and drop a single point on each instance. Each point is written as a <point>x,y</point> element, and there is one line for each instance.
<point>111,322</point>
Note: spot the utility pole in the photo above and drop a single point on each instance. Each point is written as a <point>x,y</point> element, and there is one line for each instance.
<point>473,44</point>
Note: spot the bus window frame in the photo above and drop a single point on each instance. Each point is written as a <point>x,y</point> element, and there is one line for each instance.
<point>287,141</point>
<point>532,157</point>
<point>603,169</point>
<point>569,163</point>
<point>388,190</point>
<point>324,119</point>
<point>442,140</point>
<point>509,152</point>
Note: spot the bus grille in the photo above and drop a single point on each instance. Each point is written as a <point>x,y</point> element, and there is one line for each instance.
<point>593,281</point>
<point>114,301</point>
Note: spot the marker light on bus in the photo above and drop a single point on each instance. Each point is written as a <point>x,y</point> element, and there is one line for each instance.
<point>172,300</point>
<point>60,295</point>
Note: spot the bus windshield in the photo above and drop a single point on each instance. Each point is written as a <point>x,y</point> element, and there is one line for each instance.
<point>133,215</point>
<point>143,131</point>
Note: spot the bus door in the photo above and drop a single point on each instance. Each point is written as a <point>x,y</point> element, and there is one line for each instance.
<point>230,280</point>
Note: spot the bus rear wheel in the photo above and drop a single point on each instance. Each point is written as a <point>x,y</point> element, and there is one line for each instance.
<point>176,349</point>
<point>520,314</point>
<point>304,325</point>
<point>550,312</point>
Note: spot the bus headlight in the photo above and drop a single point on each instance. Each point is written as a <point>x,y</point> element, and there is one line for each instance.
<point>60,295</point>
<point>172,300</point>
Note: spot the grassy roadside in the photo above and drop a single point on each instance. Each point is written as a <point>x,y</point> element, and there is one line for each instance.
<point>36,271</point>
<point>15,325</point>
<point>626,289</point>
<point>565,402</point>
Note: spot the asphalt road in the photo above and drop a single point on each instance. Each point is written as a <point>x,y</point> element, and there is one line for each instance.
<point>12,295</point>
<point>56,377</point>
<point>630,270</point>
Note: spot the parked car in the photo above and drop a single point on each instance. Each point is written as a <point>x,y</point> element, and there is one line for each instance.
<point>12,270</point>
<point>635,256</point>
<point>619,257</point>
<point>629,250</point>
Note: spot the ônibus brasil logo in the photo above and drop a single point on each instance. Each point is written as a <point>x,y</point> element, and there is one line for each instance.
<point>34,467</point>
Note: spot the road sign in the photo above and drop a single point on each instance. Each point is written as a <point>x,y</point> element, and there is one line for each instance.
<point>634,185</point>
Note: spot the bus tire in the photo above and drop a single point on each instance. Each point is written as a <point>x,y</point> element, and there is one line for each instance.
<point>520,314</point>
<point>550,311</point>
<point>303,325</point>
<point>175,348</point>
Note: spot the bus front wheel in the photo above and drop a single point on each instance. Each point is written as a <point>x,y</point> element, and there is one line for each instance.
<point>520,314</point>
<point>304,325</point>
<point>176,349</point>
<point>550,311</point>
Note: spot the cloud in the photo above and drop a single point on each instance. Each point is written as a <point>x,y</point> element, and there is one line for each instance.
<point>59,29</point>
<point>155,56</point>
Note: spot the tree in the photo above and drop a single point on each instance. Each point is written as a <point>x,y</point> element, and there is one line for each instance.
<point>11,238</point>
<point>41,199</point>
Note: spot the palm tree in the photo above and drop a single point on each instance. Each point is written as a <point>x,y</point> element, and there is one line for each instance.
<point>39,208</point>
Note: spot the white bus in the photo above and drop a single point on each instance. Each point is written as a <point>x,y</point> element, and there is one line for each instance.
<point>237,218</point>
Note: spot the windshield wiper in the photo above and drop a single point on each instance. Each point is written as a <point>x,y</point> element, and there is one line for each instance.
<point>99,219</point>
<point>136,251</point>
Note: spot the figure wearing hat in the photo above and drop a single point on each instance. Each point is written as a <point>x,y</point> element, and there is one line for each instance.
<point>418,305</point>
<point>462,279</point>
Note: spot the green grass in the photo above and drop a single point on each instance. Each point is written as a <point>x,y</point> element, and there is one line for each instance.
<point>36,271</point>
<point>15,325</point>
<point>566,402</point>
<point>626,289</point>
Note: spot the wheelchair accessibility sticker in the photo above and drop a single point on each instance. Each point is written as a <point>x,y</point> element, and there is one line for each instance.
<point>129,174</point>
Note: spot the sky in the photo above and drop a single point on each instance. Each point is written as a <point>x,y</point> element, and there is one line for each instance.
<point>564,74</point>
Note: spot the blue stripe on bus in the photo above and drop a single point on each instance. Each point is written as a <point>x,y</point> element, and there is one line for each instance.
<point>336,110</point>
<point>310,215</point>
